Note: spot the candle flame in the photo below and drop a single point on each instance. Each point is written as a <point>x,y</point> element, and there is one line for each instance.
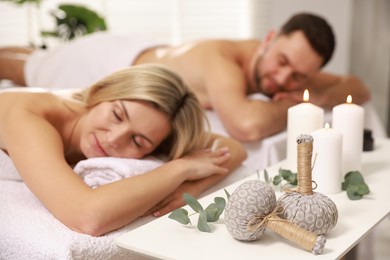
<point>326,126</point>
<point>349,99</point>
<point>306,95</point>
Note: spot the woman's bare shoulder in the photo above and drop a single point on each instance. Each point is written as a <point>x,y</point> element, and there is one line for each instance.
<point>44,104</point>
<point>26,99</point>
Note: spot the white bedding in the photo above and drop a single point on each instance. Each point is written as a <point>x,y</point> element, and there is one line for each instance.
<point>29,231</point>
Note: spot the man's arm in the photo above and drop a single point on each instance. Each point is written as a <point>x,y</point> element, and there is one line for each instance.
<point>253,120</point>
<point>328,90</point>
<point>245,120</point>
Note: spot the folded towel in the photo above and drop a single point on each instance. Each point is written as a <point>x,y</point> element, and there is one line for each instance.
<point>94,171</point>
<point>102,170</point>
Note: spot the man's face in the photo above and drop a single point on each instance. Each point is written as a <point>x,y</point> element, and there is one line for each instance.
<point>284,64</point>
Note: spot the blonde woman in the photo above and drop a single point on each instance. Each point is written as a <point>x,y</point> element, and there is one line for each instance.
<point>139,111</point>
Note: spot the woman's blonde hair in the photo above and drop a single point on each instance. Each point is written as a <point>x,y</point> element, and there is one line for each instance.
<point>168,93</point>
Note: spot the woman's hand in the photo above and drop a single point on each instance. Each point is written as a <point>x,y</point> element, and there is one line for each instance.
<point>210,166</point>
<point>203,163</point>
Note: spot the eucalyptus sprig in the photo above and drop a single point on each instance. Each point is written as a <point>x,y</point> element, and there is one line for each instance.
<point>210,214</point>
<point>284,178</point>
<point>355,185</point>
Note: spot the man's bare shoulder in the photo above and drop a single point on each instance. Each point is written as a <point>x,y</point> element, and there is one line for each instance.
<point>226,44</point>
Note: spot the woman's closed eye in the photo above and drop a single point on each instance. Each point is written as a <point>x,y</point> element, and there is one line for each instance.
<point>117,114</point>
<point>137,140</point>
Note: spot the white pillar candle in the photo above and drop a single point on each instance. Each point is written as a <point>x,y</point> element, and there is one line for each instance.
<point>326,160</point>
<point>348,118</point>
<point>303,118</point>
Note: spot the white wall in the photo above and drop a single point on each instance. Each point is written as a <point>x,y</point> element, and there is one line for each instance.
<point>370,52</point>
<point>171,21</point>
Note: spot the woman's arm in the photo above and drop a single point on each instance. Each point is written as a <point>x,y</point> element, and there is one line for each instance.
<point>195,188</point>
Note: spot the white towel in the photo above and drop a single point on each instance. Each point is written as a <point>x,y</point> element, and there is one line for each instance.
<point>94,171</point>
<point>102,170</point>
<point>29,231</point>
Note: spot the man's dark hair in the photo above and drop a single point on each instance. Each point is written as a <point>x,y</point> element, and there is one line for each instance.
<point>316,29</point>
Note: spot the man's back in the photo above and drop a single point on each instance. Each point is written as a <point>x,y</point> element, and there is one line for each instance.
<point>198,61</point>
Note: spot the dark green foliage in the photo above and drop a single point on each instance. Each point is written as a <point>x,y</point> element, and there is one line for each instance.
<point>355,185</point>
<point>75,20</point>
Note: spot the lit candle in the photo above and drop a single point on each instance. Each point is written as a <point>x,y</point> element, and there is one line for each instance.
<point>327,147</point>
<point>348,118</point>
<point>303,118</point>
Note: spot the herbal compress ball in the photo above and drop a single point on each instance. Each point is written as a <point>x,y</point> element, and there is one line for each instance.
<point>310,210</point>
<point>315,212</point>
<point>251,209</point>
<point>251,200</point>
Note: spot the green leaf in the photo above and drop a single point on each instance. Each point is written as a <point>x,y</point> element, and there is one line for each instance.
<point>352,192</point>
<point>293,179</point>
<point>212,212</point>
<point>221,203</point>
<point>202,222</point>
<point>285,173</point>
<point>266,176</point>
<point>354,185</point>
<point>277,180</point>
<point>289,176</point>
<point>192,202</point>
<point>180,215</point>
<point>227,194</point>
<point>354,177</point>
<point>344,185</point>
<point>362,189</point>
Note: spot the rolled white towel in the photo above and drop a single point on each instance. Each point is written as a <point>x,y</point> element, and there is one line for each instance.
<point>94,171</point>
<point>102,170</point>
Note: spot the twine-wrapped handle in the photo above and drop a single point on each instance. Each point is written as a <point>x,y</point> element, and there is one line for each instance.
<point>304,153</point>
<point>287,229</point>
<point>300,236</point>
